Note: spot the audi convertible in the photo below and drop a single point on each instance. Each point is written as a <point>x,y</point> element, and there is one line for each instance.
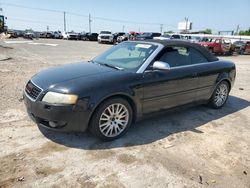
<point>124,84</point>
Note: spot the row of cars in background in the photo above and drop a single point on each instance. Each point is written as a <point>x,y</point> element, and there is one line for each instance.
<point>224,46</point>
<point>216,45</point>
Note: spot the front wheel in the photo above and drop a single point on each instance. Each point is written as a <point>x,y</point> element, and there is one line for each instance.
<point>220,95</point>
<point>111,119</point>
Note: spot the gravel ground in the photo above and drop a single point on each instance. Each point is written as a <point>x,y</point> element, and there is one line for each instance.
<point>195,147</point>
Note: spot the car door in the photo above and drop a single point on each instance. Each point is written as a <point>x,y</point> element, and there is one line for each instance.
<point>207,74</point>
<point>175,87</point>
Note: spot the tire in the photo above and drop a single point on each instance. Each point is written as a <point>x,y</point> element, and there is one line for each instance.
<point>241,52</point>
<point>220,95</point>
<point>108,126</point>
<point>211,50</point>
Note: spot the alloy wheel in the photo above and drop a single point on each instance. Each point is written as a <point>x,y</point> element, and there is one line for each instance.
<point>114,120</point>
<point>221,94</point>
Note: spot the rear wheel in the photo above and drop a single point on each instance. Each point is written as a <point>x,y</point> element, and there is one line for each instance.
<point>220,95</point>
<point>111,119</point>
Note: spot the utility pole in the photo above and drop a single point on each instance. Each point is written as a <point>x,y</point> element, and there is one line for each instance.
<point>90,23</point>
<point>64,21</point>
<point>186,20</point>
<point>161,28</point>
<point>237,29</point>
<point>123,28</point>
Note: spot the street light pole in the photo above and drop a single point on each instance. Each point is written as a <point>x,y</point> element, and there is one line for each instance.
<point>161,28</point>
<point>186,20</point>
<point>64,21</point>
<point>90,23</point>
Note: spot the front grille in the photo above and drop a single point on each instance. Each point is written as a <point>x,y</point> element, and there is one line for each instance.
<point>105,37</point>
<point>72,36</point>
<point>32,90</point>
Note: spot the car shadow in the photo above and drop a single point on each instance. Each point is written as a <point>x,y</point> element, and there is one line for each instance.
<point>151,129</point>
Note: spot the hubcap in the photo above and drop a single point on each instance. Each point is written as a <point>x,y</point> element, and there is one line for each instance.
<point>221,95</point>
<point>114,120</point>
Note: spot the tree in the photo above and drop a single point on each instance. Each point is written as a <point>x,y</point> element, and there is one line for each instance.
<point>28,31</point>
<point>246,32</point>
<point>208,31</point>
<point>168,32</point>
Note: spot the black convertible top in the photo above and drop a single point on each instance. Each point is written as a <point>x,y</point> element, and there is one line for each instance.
<point>210,57</point>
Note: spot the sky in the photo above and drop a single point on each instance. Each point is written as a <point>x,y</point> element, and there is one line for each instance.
<point>130,15</point>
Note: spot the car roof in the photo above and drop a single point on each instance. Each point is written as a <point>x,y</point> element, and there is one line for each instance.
<point>198,47</point>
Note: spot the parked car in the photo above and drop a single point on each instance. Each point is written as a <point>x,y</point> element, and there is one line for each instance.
<point>163,37</point>
<point>219,46</point>
<point>88,36</point>
<point>83,36</point>
<point>57,35</point>
<point>122,38</point>
<point>177,36</point>
<point>116,35</point>
<point>106,37</point>
<point>12,33</point>
<point>192,38</point>
<point>242,47</point>
<point>70,35</point>
<point>29,35</point>
<point>146,36</point>
<point>46,35</point>
<point>247,48</point>
<point>125,84</point>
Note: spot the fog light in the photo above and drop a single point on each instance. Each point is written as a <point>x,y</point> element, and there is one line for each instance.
<point>55,124</point>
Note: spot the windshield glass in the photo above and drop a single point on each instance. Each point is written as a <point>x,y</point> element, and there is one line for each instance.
<point>105,32</point>
<point>145,35</point>
<point>126,56</point>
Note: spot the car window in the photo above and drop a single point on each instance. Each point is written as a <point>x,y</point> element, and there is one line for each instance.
<point>127,55</point>
<point>177,56</point>
<point>197,57</point>
<point>217,41</point>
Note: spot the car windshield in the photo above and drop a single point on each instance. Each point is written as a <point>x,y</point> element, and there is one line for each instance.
<point>105,32</point>
<point>239,43</point>
<point>166,36</point>
<point>126,56</point>
<point>145,34</point>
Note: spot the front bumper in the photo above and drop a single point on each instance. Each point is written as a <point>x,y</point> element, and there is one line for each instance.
<point>58,117</point>
<point>110,40</point>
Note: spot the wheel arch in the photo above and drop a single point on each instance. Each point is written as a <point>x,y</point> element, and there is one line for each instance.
<point>118,95</point>
<point>224,77</point>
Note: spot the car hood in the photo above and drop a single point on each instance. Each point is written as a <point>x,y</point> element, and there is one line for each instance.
<point>54,76</point>
<point>204,43</point>
<point>105,35</point>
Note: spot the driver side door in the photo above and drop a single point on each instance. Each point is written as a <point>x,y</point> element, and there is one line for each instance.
<point>175,87</point>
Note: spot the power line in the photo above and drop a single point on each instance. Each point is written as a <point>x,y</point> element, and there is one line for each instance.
<point>41,22</point>
<point>87,16</point>
<point>34,8</point>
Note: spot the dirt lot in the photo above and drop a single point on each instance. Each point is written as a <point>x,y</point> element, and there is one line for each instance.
<point>190,148</point>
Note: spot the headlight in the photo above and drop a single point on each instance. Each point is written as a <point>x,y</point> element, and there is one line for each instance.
<point>59,98</point>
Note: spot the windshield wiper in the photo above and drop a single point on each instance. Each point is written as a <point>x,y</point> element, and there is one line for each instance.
<point>111,66</point>
<point>107,65</point>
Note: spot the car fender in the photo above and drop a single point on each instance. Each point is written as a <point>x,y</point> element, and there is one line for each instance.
<point>128,94</point>
<point>224,76</point>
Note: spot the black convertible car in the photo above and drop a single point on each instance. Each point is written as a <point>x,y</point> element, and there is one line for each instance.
<point>125,83</point>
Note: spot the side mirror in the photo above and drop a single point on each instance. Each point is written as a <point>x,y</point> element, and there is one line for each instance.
<point>160,65</point>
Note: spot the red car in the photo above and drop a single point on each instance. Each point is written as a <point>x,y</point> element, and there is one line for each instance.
<point>219,46</point>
